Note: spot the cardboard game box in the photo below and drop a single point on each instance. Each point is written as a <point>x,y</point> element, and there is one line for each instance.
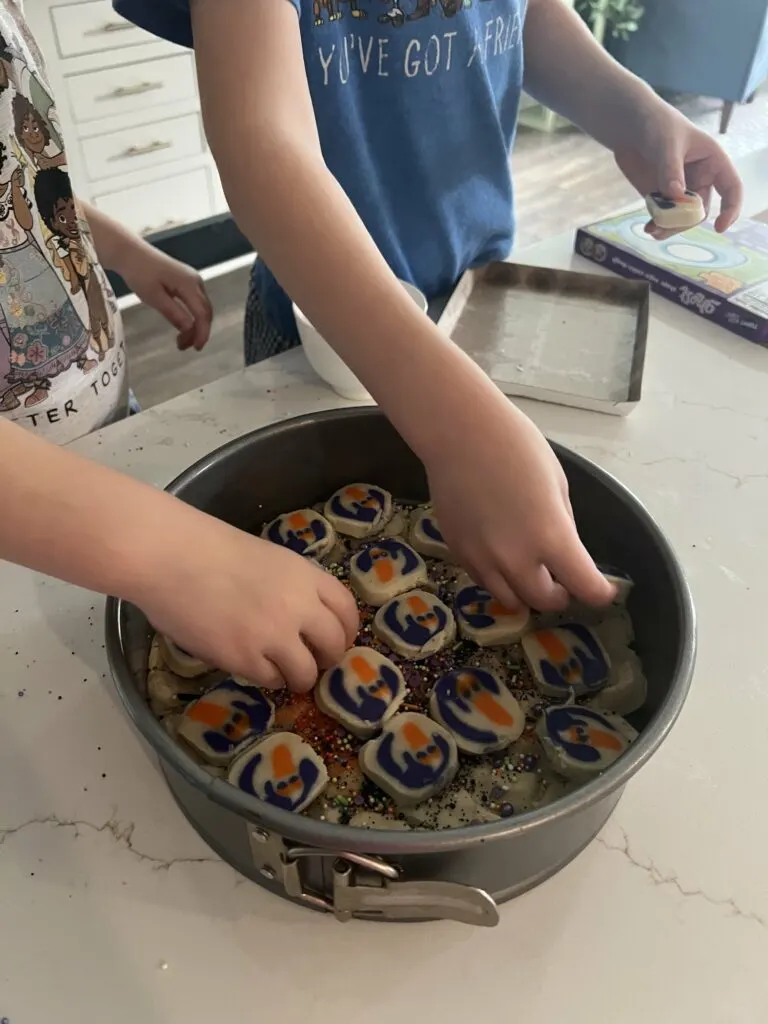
<point>723,278</point>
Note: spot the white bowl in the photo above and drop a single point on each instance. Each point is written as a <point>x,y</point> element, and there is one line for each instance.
<point>329,366</point>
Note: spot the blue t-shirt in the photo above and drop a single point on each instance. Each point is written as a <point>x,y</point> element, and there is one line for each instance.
<point>416,104</point>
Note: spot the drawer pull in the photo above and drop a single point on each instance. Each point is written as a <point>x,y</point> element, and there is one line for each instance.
<point>165,226</point>
<point>131,90</point>
<point>108,27</point>
<point>152,147</point>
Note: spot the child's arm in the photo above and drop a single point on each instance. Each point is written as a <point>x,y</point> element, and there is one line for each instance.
<point>175,290</point>
<point>499,491</point>
<point>240,603</point>
<point>656,147</point>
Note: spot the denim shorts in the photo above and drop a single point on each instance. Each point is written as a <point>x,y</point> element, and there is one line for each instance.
<point>262,340</point>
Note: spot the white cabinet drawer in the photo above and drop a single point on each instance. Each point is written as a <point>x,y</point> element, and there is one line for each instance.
<point>132,87</point>
<point>134,149</point>
<point>161,205</point>
<point>94,26</point>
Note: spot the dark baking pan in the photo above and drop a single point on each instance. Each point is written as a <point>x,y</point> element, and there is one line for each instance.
<point>462,874</point>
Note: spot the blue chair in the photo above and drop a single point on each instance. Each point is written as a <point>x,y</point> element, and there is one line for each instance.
<point>705,47</point>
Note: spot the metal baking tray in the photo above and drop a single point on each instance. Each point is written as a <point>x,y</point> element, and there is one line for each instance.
<point>554,335</point>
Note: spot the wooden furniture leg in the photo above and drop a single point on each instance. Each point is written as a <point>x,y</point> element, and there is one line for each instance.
<point>726,115</point>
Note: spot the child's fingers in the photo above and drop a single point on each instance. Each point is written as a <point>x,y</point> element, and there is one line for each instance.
<point>575,569</point>
<point>731,190</point>
<point>264,672</point>
<point>325,637</point>
<point>172,310</point>
<point>537,588</point>
<point>296,664</point>
<point>199,307</point>
<point>342,604</point>
<point>497,585</point>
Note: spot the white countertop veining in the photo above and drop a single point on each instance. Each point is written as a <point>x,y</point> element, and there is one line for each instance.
<point>113,910</point>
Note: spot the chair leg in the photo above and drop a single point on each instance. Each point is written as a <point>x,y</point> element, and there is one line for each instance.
<point>726,115</point>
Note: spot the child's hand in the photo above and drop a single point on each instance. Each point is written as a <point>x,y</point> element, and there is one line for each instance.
<point>245,605</point>
<point>502,501</point>
<point>669,154</point>
<point>175,290</point>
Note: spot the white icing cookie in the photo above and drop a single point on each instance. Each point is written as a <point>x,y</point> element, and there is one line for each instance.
<point>304,531</point>
<point>425,534</point>
<point>180,661</point>
<point>413,759</point>
<point>478,710</point>
<point>282,770</point>
<point>384,569</point>
<point>485,620</point>
<point>359,510</point>
<point>627,687</point>
<point>167,692</point>
<point>155,657</point>
<point>415,625</point>
<point>171,723</point>
<point>567,658</point>
<point>370,819</point>
<point>398,525</point>
<point>362,691</point>
<point>581,742</point>
<point>676,214</point>
<point>226,719</point>
<point>615,631</point>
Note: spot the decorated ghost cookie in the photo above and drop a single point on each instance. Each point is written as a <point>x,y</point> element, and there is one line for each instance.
<point>487,621</point>
<point>362,691</point>
<point>581,742</point>
<point>676,214</point>
<point>181,662</point>
<point>359,510</point>
<point>627,686</point>
<point>304,531</point>
<point>415,625</point>
<point>478,710</point>
<point>384,569</point>
<point>413,758</point>
<point>226,719</point>
<point>425,534</point>
<point>567,658</point>
<point>282,770</point>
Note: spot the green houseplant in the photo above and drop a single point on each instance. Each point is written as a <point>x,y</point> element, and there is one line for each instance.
<point>608,20</point>
<point>618,17</point>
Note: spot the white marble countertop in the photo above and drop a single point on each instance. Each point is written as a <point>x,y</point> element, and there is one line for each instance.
<point>113,910</point>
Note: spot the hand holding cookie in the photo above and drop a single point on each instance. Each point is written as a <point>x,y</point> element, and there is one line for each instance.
<point>255,609</point>
<point>502,500</point>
